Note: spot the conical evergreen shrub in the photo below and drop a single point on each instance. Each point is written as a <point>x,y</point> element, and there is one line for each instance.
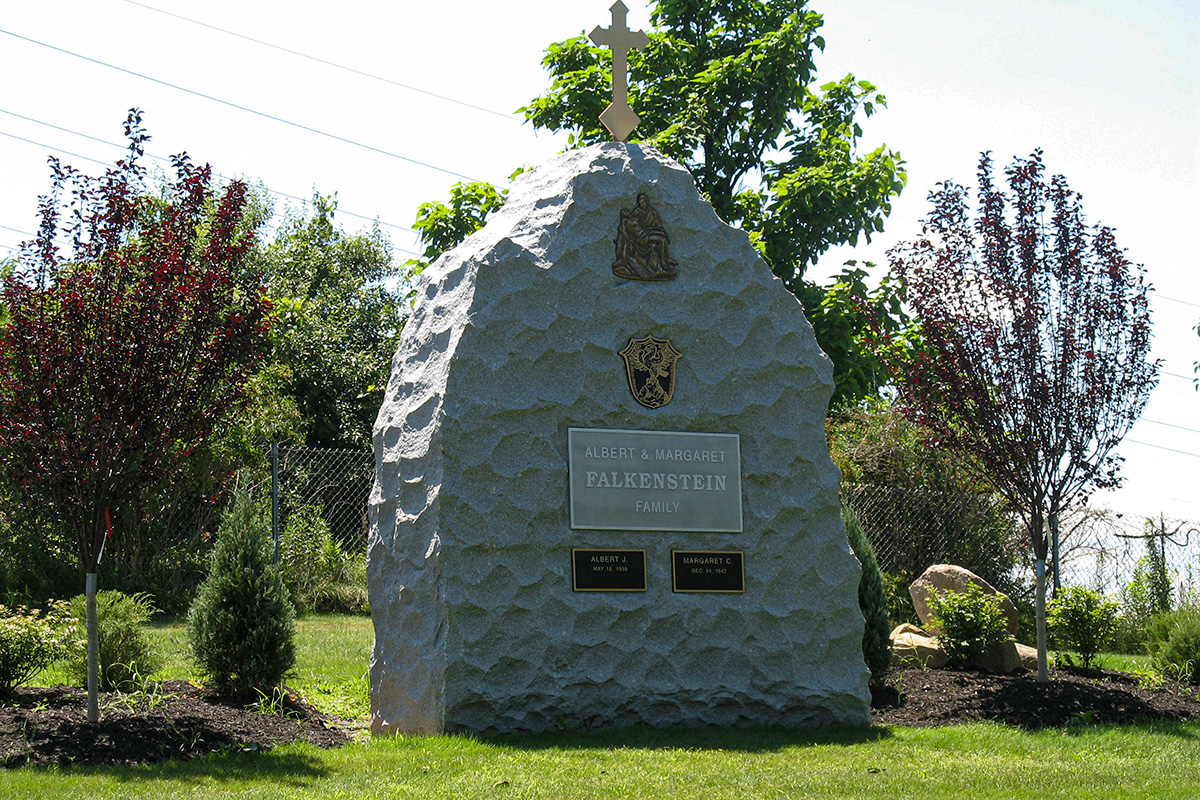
<point>242,626</point>
<point>872,599</point>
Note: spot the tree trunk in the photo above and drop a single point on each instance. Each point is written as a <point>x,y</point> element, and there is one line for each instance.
<point>1043,673</point>
<point>93,650</point>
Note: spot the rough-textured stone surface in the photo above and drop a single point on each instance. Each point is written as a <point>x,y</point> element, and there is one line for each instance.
<point>1027,654</point>
<point>913,648</point>
<point>953,578</point>
<point>514,339</point>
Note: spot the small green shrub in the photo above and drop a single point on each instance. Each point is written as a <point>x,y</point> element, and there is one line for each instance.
<point>1179,656</point>
<point>317,571</point>
<point>1083,620</point>
<point>872,601</point>
<point>242,626</point>
<point>1145,598</point>
<point>970,622</point>
<point>31,640</point>
<point>899,601</point>
<point>126,652</point>
<point>1157,630</point>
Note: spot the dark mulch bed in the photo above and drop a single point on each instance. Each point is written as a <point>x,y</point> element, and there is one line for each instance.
<point>181,720</point>
<point>177,720</point>
<point>1071,697</point>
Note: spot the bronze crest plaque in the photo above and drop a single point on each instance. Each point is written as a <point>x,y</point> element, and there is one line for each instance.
<point>608,570</point>
<point>702,571</point>
<point>650,366</point>
<point>643,246</point>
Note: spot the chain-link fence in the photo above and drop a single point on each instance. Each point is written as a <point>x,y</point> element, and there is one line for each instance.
<point>912,529</point>
<point>335,484</point>
<point>1111,552</point>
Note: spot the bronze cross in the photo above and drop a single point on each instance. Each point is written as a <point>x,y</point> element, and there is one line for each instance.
<point>619,118</point>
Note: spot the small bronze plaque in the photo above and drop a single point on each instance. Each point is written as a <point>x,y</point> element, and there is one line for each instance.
<point>608,570</point>
<point>650,368</point>
<point>704,571</point>
<point>643,246</point>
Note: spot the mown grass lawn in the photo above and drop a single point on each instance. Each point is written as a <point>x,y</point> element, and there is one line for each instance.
<point>974,761</point>
<point>980,762</point>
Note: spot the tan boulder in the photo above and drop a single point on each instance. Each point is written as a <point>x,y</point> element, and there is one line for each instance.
<point>1028,655</point>
<point>908,627</point>
<point>1001,658</point>
<point>912,647</point>
<point>952,578</point>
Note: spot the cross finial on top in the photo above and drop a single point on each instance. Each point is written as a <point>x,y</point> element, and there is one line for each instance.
<point>619,118</point>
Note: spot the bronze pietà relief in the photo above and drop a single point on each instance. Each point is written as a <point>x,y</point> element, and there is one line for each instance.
<point>643,246</point>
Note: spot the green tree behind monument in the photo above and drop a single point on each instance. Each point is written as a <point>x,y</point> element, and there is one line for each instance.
<point>729,91</point>
<point>336,323</point>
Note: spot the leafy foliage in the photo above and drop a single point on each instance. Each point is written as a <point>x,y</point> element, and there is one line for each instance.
<point>1083,620</point>
<point>126,650</point>
<point>1038,334</point>
<point>242,626</point>
<point>872,601</point>
<point>444,226</point>
<point>727,91</point>
<point>319,574</point>
<point>1149,590</point>
<point>1176,647</point>
<point>920,503</point>
<point>336,323</point>
<point>120,356</point>
<point>971,623</point>
<point>864,331</point>
<point>31,640</point>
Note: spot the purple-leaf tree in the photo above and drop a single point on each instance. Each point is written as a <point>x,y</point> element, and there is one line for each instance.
<point>133,325</point>
<point>1038,333</point>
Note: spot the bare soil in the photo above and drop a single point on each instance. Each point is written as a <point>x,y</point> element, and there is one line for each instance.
<point>177,719</point>
<point>1071,697</point>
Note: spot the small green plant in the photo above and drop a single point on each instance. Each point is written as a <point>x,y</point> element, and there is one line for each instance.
<point>969,623</point>
<point>1083,620</point>
<point>1179,656</point>
<point>31,640</point>
<point>1159,628</point>
<point>899,601</point>
<point>126,651</point>
<point>872,601</point>
<point>144,695</point>
<point>1146,597</point>
<point>242,625</point>
<point>320,575</point>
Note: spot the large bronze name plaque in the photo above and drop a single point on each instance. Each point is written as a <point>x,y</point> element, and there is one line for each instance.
<point>654,480</point>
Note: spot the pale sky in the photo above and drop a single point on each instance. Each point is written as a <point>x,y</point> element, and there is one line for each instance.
<point>1108,89</point>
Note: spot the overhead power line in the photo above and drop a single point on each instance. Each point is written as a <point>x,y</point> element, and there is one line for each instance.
<point>1170,425</point>
<point>56,149</point>
<point>335,65</point>
<point>1176,300</point>
<point>1160,447</point>
<point>160,158</point>
<point>167,161</point>
<point>263,114</point>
